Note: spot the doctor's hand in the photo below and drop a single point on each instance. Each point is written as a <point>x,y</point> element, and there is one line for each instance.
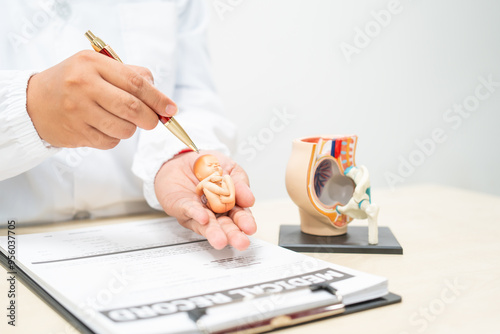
<point>175,187</point>
<point>92,100</point>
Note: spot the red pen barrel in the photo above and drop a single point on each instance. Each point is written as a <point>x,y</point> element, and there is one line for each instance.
<point>164,119</point>
<point>106,53</point>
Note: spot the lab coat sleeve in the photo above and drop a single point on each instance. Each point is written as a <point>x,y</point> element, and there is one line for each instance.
<point>199,107</point>
<point>21,148</point>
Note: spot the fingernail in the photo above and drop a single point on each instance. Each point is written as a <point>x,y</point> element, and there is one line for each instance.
<point>171,110</point>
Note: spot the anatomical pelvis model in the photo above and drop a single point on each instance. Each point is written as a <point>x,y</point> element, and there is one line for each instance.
<point>329,189</point>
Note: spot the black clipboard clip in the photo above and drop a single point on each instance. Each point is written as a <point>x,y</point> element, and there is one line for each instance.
<point>220,319</point>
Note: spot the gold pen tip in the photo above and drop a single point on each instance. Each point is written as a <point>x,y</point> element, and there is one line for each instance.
<point>90,36</point>
<point>174,127</point>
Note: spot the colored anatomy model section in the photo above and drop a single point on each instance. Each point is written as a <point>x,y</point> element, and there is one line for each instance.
<point>327,186</point>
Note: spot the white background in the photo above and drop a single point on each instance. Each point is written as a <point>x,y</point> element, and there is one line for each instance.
<point>285,56</point>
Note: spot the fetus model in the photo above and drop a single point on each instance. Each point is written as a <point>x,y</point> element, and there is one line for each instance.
<point>215,189</point>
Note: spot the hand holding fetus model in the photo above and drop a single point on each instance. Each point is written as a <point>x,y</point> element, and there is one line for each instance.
<point>218,189</point>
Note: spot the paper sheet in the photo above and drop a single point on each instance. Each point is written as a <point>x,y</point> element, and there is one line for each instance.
<point>143,276</point>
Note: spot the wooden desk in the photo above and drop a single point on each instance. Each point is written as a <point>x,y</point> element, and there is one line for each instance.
<point>448,276</point>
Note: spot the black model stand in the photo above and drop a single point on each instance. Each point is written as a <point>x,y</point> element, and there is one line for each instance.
<point>355,241</point>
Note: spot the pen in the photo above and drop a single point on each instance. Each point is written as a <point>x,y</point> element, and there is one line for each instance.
<point>169,122</point>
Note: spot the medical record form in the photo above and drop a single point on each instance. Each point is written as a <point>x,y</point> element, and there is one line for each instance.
<point>155,276</point>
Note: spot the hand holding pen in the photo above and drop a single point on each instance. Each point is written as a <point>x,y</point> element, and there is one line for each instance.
<point>169,122</point>
<point>89,100</point>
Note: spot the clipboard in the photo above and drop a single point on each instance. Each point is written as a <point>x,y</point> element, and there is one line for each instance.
<point>211,320</point>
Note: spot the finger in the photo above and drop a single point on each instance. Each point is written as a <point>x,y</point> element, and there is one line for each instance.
<point>97,139</point>
<point>85,130</point>
<point>215,234</point>
<point>243,194</point>
<point>212,231</point>
<point>187,208</point>
<point>144,72</point>
<point>197,212</point>
<point>235,236</point>
<point>108,123</point>
<point>88,136</point>
<point>125,106</point>
<point>244,219</point>
<point>132,82</point>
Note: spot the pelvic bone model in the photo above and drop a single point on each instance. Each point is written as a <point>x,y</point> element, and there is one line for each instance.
<point>215,189</point>
<point>330,191</point>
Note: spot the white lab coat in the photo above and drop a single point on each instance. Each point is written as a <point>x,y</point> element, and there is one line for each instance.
<point>43,183</point>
